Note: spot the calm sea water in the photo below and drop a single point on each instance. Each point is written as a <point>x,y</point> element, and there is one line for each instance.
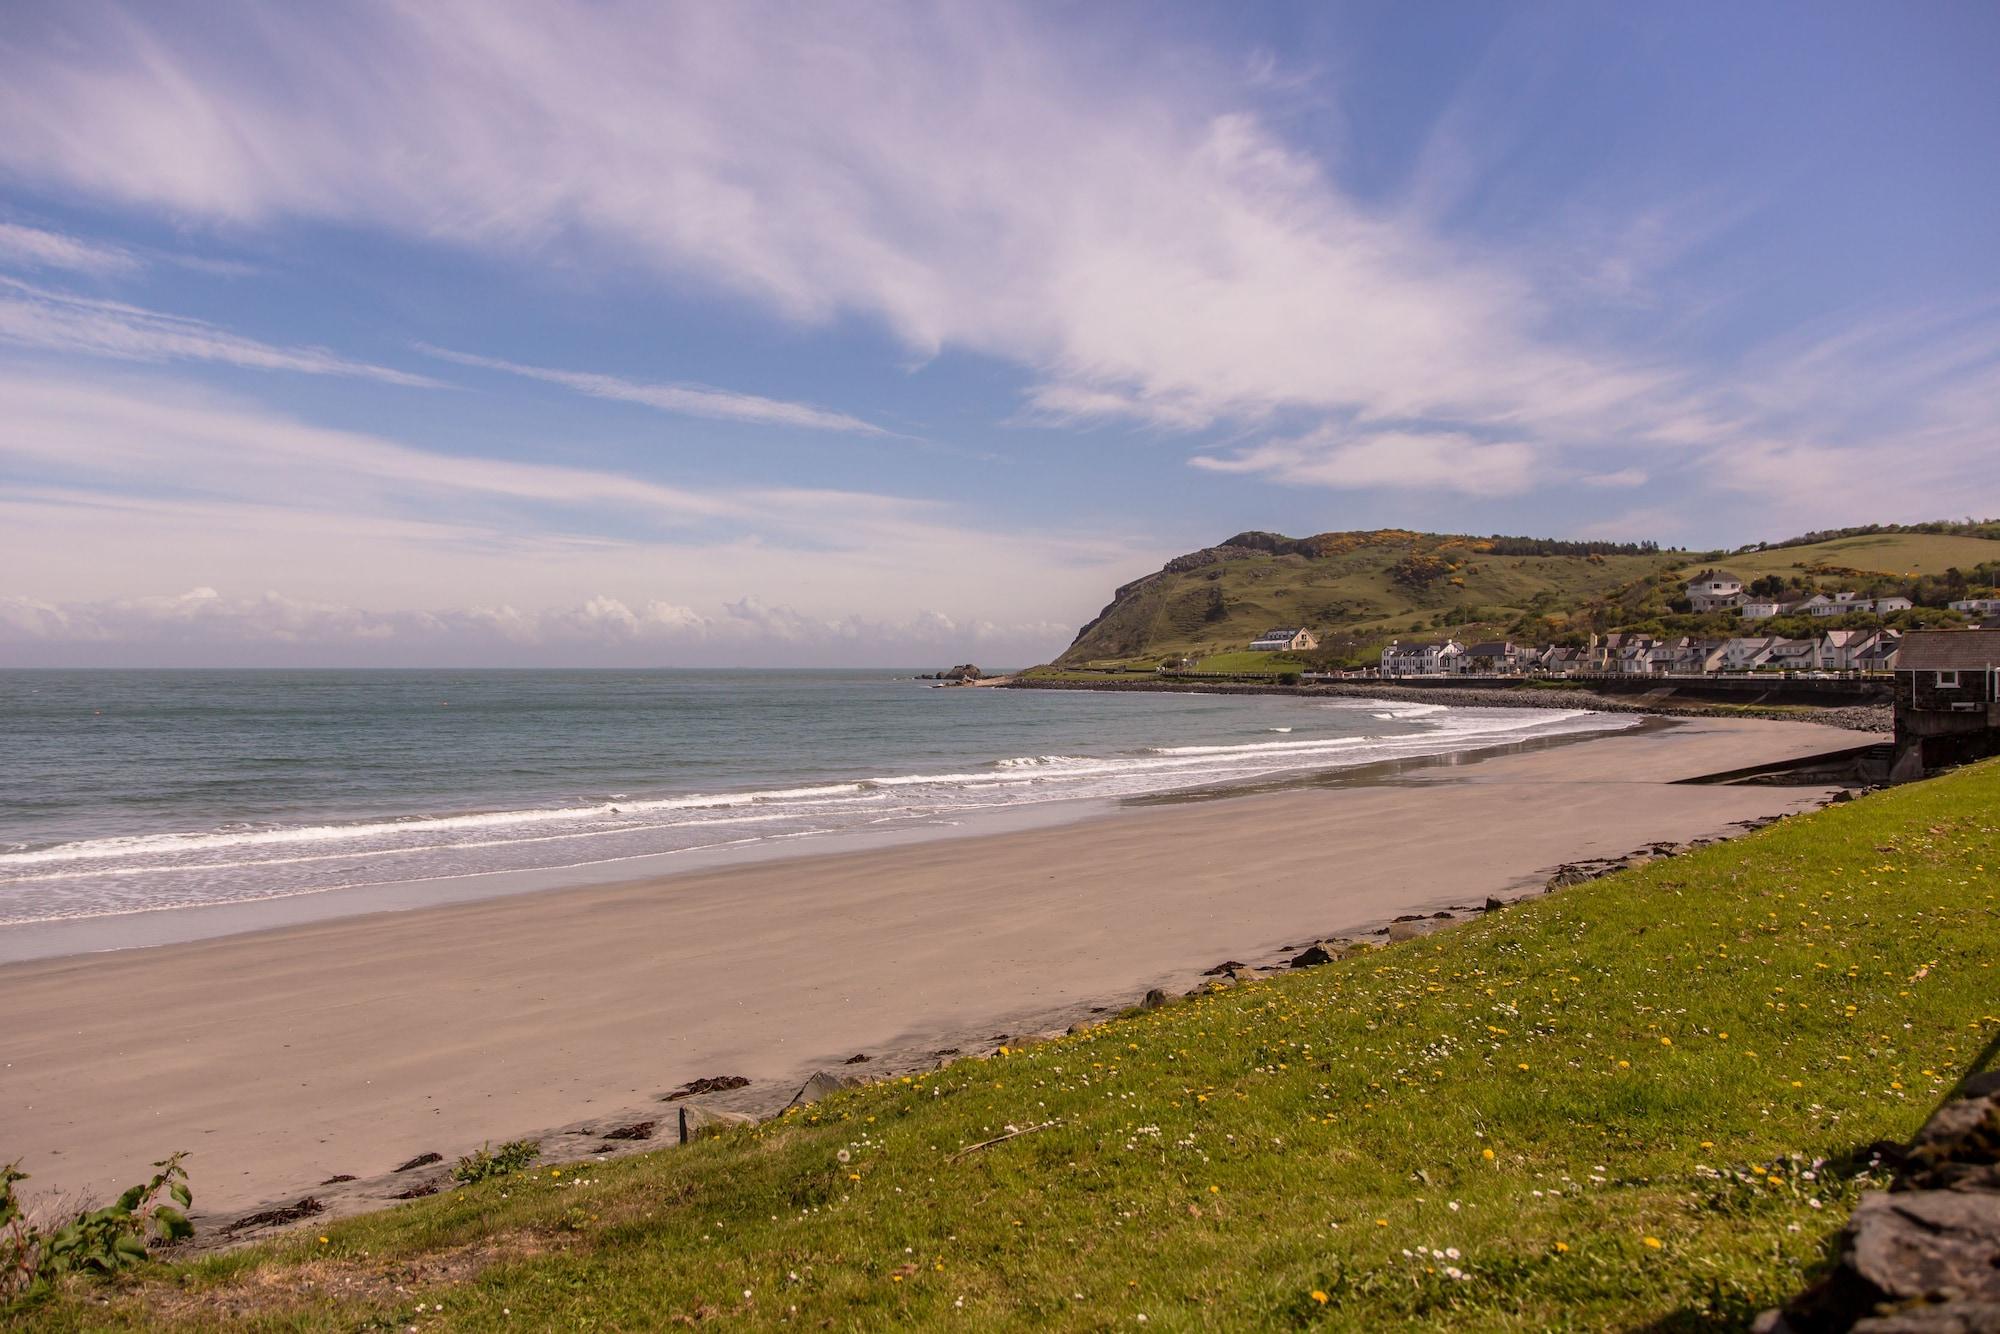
<point>135,791</point>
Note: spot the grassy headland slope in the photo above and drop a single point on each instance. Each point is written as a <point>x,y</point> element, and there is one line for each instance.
<point>1901,554</point>
<point>1358,590</point>
<point>1606,1107</point>
<point>1354,589</point>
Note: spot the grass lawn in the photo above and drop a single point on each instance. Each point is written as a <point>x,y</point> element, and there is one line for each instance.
<point>1632,1104</point>
<point>1880,553</point>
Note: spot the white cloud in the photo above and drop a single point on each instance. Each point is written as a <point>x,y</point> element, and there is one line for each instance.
<point>686,399</point>
<point>114,481</point>
<point>222,627</point>
<point>1395,460</point>
<point>1120,220</point>
<point>51,321</point>
<point>1129,228</point>
<point>32,247</point>
<point>1622,479</point>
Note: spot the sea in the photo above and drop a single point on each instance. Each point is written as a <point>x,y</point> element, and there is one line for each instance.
<point>129,792</point>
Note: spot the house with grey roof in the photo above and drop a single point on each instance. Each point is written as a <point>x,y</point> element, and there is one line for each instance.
<point>1947,699</point>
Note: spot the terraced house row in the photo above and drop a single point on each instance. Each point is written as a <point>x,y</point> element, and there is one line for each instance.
<point>1648,655</point>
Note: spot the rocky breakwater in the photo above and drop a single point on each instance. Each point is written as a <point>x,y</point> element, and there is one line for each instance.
<point>1922,1257</point>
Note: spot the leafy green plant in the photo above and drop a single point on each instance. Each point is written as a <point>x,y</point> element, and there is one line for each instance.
<point>100,1242</point>
<point>485,1162</point>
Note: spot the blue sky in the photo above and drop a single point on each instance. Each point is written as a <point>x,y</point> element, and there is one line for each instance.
<point>453,333</point>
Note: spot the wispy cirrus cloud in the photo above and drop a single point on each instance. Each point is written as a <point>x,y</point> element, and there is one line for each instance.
<point>1125,223</point>
<point>688,400</point>
<point>32,247</point>
<point>1131,231</point>
<point>51,321</point>
<point>1355,461</point>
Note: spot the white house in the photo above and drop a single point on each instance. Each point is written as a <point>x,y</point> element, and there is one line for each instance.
<point>1293,639</point>
<point>1420,659</point>
<point>1842,604</point>
<point>1746,654</point>
<point>1635,656</point>
<point>1795,655</point>
<point>1977,606</point>
<point>1712,590</point>
<point>1842,650</point>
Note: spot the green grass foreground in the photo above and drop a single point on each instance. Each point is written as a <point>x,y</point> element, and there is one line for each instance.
<point>1605,1108</point>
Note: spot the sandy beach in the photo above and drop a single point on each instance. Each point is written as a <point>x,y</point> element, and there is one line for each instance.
<point>283,1057</point>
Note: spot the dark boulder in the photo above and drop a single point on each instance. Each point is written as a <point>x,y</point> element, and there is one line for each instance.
<point>1319,952</point>
<point>1922,1257</point>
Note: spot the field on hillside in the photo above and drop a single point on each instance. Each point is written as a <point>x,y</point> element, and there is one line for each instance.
<point>1878,553</point>
<point>1354,599</point>
<point>1640,1102</point>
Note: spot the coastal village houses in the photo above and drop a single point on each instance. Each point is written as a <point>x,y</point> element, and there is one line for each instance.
<point>1627,654</point>
<point>1434,659</point>
<point>1719,590</point>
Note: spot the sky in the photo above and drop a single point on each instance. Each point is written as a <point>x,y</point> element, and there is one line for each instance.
<point>495,333</point>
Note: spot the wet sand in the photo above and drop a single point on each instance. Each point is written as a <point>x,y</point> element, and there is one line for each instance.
<point>282,1057</point>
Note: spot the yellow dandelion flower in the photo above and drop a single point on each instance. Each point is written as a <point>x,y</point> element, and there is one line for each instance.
<point>1319,1296</point>
<point>1487,1154</point>
<point>1652,1243</point>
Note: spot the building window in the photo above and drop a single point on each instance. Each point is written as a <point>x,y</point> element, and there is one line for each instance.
<point>1947,680</point>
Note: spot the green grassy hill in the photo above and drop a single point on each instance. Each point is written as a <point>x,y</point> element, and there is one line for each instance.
<point>1359,590</point>
<point>1638,1103</point>
<point>1356,590</point>
<point>1901,554</point>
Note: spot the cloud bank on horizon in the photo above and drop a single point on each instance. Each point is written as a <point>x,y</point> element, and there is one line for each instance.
<point>756,333</point>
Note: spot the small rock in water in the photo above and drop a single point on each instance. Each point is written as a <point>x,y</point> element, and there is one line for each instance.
<point>858,1058</point>
<point>1493,904</point>
<point>1229,967</point>
<point>1154,999</point>
<point>421,1160</point>
<point>336,1180</point>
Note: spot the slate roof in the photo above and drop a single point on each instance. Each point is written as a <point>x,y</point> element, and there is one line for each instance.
<point>1949,650</point>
